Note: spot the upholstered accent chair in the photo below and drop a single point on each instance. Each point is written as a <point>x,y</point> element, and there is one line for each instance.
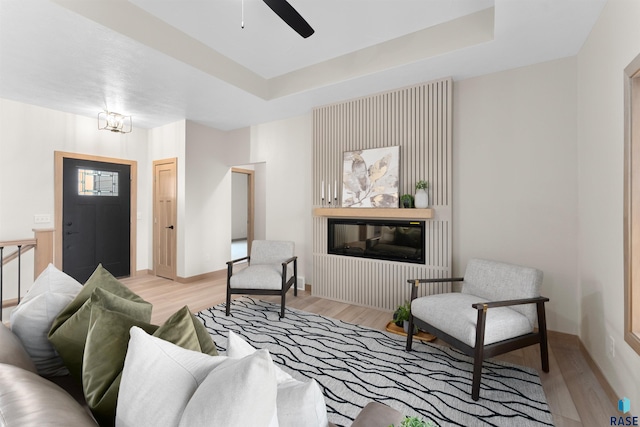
<point>495,313</point>
<point>272,270</point>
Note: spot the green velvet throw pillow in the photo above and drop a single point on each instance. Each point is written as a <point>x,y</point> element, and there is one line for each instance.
<point>106,349</point>
<point>185,330</point>
<point>69,331</point>
<point>104,354</point>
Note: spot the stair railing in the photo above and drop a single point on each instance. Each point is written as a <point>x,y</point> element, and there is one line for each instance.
<point>42,243</point>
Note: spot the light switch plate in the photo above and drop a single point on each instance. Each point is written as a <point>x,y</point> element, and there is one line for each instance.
<point>42,218</point>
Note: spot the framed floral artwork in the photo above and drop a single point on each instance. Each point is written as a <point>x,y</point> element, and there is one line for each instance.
<point>370,178</point>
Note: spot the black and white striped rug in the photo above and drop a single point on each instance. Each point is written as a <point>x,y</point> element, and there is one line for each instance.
<point>356,365</point>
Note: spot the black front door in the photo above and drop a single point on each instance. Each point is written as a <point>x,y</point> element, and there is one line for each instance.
<point>96,216</point>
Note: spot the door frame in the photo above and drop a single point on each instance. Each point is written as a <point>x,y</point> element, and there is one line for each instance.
<point>155,230</point>
<point>250,203</point>
<point>58,168</point>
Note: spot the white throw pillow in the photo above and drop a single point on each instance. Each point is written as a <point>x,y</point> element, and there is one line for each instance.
<point>31,320</point>
<point>237,348</point>
<point>159,379</point>
<point>238,393</point>
<point>299,403</point>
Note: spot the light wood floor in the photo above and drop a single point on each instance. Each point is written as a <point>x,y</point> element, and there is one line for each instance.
<point>576,393</point>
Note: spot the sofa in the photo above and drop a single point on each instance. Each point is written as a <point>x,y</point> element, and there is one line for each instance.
<point>30,396</point>
<point>27,399</point>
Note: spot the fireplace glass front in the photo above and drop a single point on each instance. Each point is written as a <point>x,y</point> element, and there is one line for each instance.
<point>391,240</point>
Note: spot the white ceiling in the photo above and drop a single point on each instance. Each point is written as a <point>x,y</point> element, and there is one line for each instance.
<point>166,60</point>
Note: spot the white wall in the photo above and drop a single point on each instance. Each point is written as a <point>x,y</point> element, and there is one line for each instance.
<point>515,177</point>
<point>207,222</point>
<point>285,147</point>
<point>612,44</point>
<point>29,135</point>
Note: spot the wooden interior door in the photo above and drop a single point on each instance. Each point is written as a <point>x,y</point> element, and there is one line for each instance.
<point>165,218</point>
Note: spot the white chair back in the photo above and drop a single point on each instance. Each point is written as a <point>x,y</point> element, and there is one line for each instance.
<point>497,281</point>
<point>271,251</point>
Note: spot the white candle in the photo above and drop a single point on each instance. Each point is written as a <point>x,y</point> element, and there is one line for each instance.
<point>322,188</point>
<point>329,192</point>
<point>335,189</point>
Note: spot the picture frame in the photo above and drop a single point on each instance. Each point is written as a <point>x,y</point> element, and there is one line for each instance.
<point>370,177</point>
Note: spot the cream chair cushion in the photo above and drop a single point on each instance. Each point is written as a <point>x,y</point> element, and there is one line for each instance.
<point>452,314</point>
<point>261,276</point>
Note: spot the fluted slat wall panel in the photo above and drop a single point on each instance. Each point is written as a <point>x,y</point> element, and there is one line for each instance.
<point>419,120</point>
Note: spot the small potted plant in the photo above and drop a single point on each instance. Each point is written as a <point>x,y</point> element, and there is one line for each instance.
<point>414,422</point>
<point>401,316</point>
<point>406,201</point>
<point>422,197</point>
<point>422,185</point>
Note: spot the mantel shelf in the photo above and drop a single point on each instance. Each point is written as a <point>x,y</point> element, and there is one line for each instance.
<point>383,213</point>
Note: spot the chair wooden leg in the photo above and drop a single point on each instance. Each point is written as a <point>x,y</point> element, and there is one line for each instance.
<point>410,335</point>
<point>542,330</point>
<point>295,278</point>
<point>479,353</point>
<point>284,294</point>
<point>229,274</point>
<point>477,375</point>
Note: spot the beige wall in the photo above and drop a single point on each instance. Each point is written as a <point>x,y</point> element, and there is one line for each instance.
<point>612,44</point>
<point>515,177</point>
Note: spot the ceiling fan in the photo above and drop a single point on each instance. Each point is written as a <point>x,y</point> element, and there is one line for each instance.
<point>289,15</point>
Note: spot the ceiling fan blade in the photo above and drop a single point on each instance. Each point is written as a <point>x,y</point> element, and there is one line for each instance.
<point>289,15</point>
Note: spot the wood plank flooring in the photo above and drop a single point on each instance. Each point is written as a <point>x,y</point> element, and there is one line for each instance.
<point>575,395</point>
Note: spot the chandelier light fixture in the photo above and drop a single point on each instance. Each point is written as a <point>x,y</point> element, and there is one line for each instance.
<point>114,122</point>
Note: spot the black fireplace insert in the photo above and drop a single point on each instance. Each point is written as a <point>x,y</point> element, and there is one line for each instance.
<point>393,240</point>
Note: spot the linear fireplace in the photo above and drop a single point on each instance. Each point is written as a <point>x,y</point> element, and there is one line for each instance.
<point>392,240</point>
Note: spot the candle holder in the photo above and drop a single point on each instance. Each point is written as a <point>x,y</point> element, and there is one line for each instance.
<point>335,201</point>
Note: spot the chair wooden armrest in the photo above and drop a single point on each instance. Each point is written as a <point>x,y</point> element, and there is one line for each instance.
<point>436,280</point>
<point>231,263</point>
<point>505,303</point>
<point>238,260</point>
<point>415,282</point>
<point>287,283</point>
<point>290,260</point>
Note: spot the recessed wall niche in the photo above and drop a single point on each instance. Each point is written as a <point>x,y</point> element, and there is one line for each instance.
<point>418,119</point>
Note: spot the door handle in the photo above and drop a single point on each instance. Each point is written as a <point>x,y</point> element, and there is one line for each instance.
<point>171,227</point>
